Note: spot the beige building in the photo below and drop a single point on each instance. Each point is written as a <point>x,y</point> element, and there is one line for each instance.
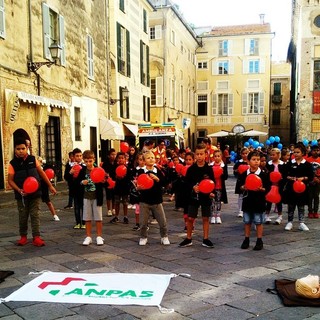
<point>172,69</point>
<point>304,55</point>
<point>279,124</point>
<point>233,79</point>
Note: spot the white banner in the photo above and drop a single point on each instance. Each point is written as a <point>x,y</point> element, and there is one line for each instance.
<point>103,288</point>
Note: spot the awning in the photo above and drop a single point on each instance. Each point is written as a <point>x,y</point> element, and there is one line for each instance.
<point>111,130</point>
<point>132,127</point>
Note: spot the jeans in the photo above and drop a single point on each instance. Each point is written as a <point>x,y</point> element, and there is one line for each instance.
<point>291,208</point>
<point>313,201</point>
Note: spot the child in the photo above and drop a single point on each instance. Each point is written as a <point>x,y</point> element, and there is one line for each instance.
<point>314,185</point>
<point>285,155</point>
<point>298,169</point>
<point>68,178</point>
<point>244,158</point>
<point>20,168</point>
<point>275,165</point>
<point>109,167</point>
<point>196,173</point>
<point>220,172</point>
<point>121,190</point>
<point>92,200</point>
<point>254,203</point>
<point>151,200</point>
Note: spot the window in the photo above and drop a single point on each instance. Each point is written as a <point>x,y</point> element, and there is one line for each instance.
<point>202,105</point>
<point>276,116</point>
<point>121,5</point>
<point>222,104</point>
<point>201,135</point>
<point>277,88</point>
<point>124,105</point>
<point>123,50</point>
<point>157,91</point>
<point>2,20</point>
<point>223,67</point>
<point>77,124</point>
<point>145,22</point>
<point>173,37</point>
<point>316,75</point>
<point>144,64</point>
<point>253,103</point>
<point>223,48</point>
<point>53,31</point>
<point>90,57</point>
<point>254,66</point>
<point>146,109</point>
<point>315,125</point>
<point>254,47</point>
<point>155,32</point>
<point>202,65</point>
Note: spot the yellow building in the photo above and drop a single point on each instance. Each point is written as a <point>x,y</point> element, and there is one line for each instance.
<point>172,69</point>
<point>233,79</point>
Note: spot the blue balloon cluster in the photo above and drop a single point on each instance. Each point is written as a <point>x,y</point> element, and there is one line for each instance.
<point>254,143</point>
<point>233,156</point>
<point>274,140</point>
<point>306,142</point>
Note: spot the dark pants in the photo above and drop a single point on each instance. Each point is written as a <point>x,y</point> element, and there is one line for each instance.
<point>78,210</point>
<point>313,198</point>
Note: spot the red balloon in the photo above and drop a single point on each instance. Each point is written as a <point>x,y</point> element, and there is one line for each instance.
<point>242,168</point>
<point>144,181</point>
<point>275,177</point>
<point>273,195</point>
<point>121,171</point>
<point>170,164</point>
<point>253,182</point>
<point>299,186</point>
<point>30,185</point>
<point>124,146</point>
<point>217,171</point>
<point>49,173</point>
<point>184,170</point>
<point>76,168</point>
<point>179,168</point>
<point>111,183</point>
<point>97,175</point>
<point>206,186</point>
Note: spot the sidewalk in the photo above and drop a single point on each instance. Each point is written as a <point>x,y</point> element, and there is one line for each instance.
<point>226,282</point>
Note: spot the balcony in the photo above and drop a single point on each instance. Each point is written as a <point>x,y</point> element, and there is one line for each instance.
<point>276,98</point>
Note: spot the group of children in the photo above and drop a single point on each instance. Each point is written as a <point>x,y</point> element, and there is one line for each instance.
<point>88,196</point>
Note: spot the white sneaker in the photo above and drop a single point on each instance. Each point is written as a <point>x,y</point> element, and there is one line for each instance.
<point>165,241</point>
<point>133,207</point>
<point>109,214</point>
<point>143,241</point>
<point>303,227</point>
<point>240,214</point>
<point>100,241</point>
<point>278,220</point>
<point>212,220</point>
<point>218,220</point>
<point>154,221</point>
<point>289,226</point>
<point>129,206</point>
<point>87,241</point>
<point>56,218</point>
<point>267,220</point>
<point>113,212</point>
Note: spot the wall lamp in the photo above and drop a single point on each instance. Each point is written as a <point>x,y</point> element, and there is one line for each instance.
<point>176,118</point>
<point>55,50</point>
<point>124,96</point>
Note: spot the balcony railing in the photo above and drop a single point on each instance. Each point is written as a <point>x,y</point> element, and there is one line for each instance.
<point>276,98</point>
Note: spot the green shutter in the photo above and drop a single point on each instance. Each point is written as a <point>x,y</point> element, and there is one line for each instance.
<point>144,20</point>
<point>141,62</point>
<point>46,30</point>
<point>128,53</point>
<point>119,46</point>
<point>148,71</point>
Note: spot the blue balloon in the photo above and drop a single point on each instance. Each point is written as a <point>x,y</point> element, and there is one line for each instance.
<point>255,144</point>
<point>314,143</point>
<point>280,146</point>
<point>232,153</point>
<point>261,145</point>
<point>305,142</point>
<point>246,144</point>
<point>271,139</point>
<point>276,139</point>
<point>250,141</point>
<point>268,142</point>
<point>232,159</point>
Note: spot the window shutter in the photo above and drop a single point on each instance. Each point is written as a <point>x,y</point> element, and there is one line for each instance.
<point>119,49</point>
<point>62,42</point>
<point>244,103</point>
<point>229,47</point>
<point>159,91</point>
<point>121,5</point>
<point>144,20</point>
<point>141,63</point>
<point>46,30</point>
<point>247,47</point>
<point>220,48</point>
<point>2,20</point>
<point>230,104</point>
<point>245,66</point>
<point>261,102</point>
<point>128,53</point>
<point>214,104</point>
<point>158,31</point>
<point>262,66</point>
<point>148,70</point>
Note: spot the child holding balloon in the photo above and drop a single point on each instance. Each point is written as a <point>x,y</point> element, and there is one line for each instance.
<point>24,174</point>
<point>253,183</point>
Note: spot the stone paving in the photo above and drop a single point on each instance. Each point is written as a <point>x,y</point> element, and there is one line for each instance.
<point>226,282</point>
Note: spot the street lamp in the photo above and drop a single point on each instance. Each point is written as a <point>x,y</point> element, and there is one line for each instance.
<point>124,96</point>
<point>176,118</point>
<point>55,50</point>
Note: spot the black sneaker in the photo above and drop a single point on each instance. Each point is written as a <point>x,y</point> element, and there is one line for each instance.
<point>259,245</point>
<point>136,227</point>
<point>68,207</point>
<point>207,243</point>
<point>186,243</point>
<point>245,243</point>
<point>125,220</point>
<point>114,220</point>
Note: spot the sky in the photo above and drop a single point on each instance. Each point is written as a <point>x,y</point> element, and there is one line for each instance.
<point>237,12</point>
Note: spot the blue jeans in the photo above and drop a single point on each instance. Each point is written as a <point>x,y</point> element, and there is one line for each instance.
<point>291,208</point>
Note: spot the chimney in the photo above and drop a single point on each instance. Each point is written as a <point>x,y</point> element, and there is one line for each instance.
<point>261,15</point>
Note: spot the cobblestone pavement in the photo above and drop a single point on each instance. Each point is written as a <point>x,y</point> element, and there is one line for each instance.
<point>226,282</point>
